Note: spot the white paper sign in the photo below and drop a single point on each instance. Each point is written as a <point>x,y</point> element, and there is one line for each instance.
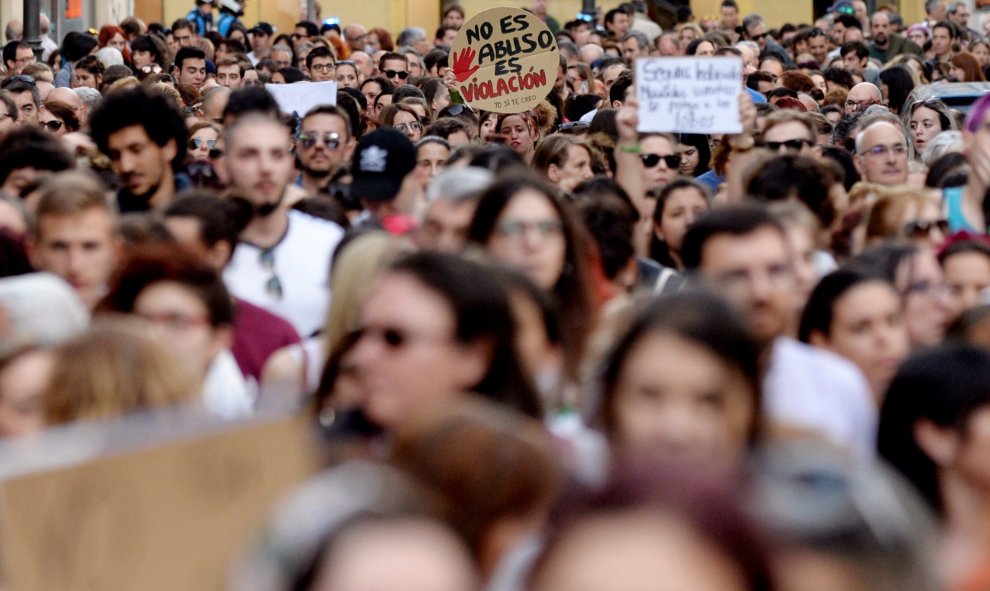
<point>300,97</point>
<point>689,94</point>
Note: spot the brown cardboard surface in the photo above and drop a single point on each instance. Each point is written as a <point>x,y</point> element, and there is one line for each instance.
<point>169,517</point>
<point>504,60</point>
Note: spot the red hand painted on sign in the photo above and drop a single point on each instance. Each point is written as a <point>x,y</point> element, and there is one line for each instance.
<point>462,64</point>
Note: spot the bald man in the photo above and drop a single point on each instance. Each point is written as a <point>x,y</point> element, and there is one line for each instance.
<point>863,96</point>
<point>882,152</point>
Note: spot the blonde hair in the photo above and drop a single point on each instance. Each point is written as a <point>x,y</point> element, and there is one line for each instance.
<point>354,273</point>
<point>111,370</point>
<point>887,216</point>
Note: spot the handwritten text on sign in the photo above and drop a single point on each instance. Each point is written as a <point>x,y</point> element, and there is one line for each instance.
<point>693,95</point>
<point>504,60</point>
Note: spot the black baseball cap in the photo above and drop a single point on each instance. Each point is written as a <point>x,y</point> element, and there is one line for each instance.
<point>263,28</point>
<point>381,162</point>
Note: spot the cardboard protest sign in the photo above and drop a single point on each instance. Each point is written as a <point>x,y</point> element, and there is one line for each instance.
<point>300,97</point>
<point>161,517</point>
<point>689,94</point>
<point>505,60</point>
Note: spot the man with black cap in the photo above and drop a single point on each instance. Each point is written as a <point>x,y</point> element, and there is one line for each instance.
<point>380,169</point>
<point>283,261</point>
<point>261,42</point>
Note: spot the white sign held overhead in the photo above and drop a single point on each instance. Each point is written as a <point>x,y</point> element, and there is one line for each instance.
<point>689,94</point>
<point>300,97</point>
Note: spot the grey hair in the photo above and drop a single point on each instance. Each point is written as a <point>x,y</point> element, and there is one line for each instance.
<point>459,185</point>
<point>640,38</point>
<point>89,96</point>
<point>410,35</point>
<point>751,45</point>
<point>750,20</point>
<point>942,144</point>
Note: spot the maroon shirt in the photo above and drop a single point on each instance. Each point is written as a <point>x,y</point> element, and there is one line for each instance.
<point>257,334</point>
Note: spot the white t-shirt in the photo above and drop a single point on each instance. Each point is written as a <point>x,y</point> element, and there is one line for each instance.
<point>820,391</point>
<point>299,264</point>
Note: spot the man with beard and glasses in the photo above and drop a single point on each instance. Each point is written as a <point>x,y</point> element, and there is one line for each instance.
<point>282,263</point>
<point>144,136</point>
<point>323,143</point>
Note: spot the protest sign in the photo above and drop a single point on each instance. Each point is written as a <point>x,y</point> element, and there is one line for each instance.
<point>161,517</point>
<point>504,60</point>
<point>300,97</point>
<point>689,94</point>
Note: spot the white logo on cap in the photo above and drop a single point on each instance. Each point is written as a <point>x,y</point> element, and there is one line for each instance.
<point>373,159</point>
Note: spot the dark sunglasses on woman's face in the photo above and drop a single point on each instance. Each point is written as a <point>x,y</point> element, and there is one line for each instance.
<point>53,125</point>
<point>651,160</point>
<point>920,229</point>
<point>197,142</point>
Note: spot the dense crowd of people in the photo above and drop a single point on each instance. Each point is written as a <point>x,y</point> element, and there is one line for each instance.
<point>546,351</point>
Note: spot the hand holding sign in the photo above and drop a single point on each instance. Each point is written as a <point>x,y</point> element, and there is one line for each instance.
<point>689,94</point>
<point>462,64</point>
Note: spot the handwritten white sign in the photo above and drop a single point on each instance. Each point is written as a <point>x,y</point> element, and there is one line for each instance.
<point>300,97</point>
<point>689,94</point>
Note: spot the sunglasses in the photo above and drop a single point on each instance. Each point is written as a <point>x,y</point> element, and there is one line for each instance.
<point>197,142</point>
<point>53,125</point>
<point>330,139</point>
<point>791,145</point>
<point>18,78</point>
<point>760,36</point>
<point>393,74</point>
<point>455,110</point>
<point>919,229</point>
<point>273,286</point>
<point>575,126</point>
<point>151,69</point>
<point>651,160</point>
<point>395,338</point>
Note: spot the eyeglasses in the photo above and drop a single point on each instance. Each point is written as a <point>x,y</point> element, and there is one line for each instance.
<point>920,230</point>
<point>651,160</point>
<point>794,145</point>
<point>173,322</point>
<point>273,286</point>
<point>414,126</point>
<point>393,74</point>
<point>151,69</point>
<point>323,67</point>
<point>883,151</point>
<point>861,105</point>
<point>926,288</point>
<point>330,139</point>
<point>517,228</point>
<point>197,142</point>
<point>18,78</point>
<point>53,125</point>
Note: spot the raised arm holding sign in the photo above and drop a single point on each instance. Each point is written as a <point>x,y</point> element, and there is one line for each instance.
<point>689,94</point>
